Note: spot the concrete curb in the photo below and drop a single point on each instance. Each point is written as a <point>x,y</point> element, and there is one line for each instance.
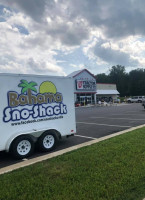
<point>61,152</point>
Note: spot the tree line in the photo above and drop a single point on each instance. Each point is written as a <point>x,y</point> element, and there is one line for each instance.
<point>128,84</point>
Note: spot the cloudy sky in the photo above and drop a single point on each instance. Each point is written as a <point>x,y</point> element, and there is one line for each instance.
<point>57,37</point>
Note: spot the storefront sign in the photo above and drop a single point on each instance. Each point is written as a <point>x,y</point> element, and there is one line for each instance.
<point>85,85</point>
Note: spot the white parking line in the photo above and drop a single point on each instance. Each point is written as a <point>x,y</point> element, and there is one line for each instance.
<point>102,124</point>
<point>86,137</point>
<point>132,112</point>
<point>115,118</point>
<point>127,114</point>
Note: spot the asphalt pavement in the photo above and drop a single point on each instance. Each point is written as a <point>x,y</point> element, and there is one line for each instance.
<point>92,123</point>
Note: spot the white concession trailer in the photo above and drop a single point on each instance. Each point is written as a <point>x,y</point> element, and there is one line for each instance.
<point>35,109</point>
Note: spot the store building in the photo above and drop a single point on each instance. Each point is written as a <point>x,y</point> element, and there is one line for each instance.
<point>86,91</point>
<point>107,92</point>
<point>84,86</point>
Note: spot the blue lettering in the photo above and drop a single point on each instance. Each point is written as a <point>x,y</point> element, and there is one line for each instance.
<point>11,114</point>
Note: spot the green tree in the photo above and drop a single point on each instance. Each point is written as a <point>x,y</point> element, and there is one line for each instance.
<point>102,78</point>
<point>27,87</point>
<point>119,77</point>
<point>137,82</point>
<point>128,84</point>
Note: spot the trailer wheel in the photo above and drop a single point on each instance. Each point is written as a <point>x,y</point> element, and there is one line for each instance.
<point>47,141</point>
<point>22,147</point>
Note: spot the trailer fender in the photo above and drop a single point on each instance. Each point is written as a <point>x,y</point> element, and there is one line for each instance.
<point>12,138</point>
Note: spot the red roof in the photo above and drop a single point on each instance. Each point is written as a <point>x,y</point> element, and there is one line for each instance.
<point>83,71</point>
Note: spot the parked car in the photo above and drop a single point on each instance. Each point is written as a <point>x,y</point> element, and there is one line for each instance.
<point>77,104</point>
<point>135,99</point>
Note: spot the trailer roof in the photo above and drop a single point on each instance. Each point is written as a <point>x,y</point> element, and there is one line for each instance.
<point>36,75</point>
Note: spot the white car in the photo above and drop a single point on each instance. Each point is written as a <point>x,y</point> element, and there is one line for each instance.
<point>135,99</point>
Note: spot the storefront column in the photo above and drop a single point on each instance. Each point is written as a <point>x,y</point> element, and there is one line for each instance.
<point>95,98</point>
<point>75,97</point>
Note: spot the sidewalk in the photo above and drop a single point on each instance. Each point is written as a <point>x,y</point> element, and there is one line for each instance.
<point>102,105</point>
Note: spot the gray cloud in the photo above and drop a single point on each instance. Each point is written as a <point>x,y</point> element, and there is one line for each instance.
<point>70,24</point>
<point>70,35</point>
<point>43,67</point>
<point>68,31</point>
<point>116,18</point>
<point>33,8</point>
<point>112,56</point>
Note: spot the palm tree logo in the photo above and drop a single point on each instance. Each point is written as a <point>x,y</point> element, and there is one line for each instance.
<point>27,87</point>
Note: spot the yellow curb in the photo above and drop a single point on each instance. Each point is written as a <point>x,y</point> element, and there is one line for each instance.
<point>61,152</point>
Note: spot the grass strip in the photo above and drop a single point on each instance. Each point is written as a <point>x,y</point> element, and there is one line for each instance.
<point>113,169</point>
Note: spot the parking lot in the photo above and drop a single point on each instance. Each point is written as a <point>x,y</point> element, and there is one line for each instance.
<point>94,122</point>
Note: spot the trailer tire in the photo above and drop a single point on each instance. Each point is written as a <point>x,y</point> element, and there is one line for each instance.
<point>22,147</point>
<point>47,141</point>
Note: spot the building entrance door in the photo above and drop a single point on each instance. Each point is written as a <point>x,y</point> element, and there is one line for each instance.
<point>89,99</point>
<point>85,100</point>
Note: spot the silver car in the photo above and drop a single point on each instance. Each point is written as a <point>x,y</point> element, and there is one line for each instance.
<point>135,99</point>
